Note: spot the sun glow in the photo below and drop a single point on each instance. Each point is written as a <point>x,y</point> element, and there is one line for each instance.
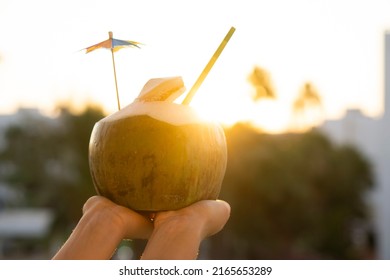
<point>53,70</point>
<point>229,107</point>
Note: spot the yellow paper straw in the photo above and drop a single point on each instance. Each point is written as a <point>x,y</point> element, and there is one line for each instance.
<point>208,67</point>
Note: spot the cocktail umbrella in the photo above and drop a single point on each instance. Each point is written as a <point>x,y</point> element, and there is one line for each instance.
<point>114,45</point>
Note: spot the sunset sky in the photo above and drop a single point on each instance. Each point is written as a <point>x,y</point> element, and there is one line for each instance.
<point>337,45</point>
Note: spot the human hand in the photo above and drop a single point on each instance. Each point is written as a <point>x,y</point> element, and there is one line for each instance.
<point>173,235</point>
<point>101,228</point>
<point>178,234</point>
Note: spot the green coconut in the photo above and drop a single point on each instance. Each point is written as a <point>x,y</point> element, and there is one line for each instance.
<point>156,155</point>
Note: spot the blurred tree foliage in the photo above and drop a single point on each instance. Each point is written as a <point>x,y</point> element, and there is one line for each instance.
<point>292,196</point>
<point>46,159</point>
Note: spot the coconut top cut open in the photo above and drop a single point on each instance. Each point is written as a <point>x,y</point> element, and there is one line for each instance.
<point>156,101</point>
<point>162,89</point>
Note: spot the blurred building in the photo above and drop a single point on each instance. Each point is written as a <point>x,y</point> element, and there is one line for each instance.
<point>372,137</point>
<point>15,119</point>
<point>7,193</point>
<point>23,231</point>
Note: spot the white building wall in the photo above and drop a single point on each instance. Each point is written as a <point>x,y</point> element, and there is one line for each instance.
<point>384,161</point>
<point>383,193</point>
<point>372,137</point>
<point>365,134</point>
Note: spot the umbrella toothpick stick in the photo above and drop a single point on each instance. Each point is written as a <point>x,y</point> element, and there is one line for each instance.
<point>114,45</point>
<point>208,67</point>
<point>116,82</point>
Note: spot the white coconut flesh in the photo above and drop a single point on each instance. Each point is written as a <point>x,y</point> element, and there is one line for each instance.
<point>156,101</point>
<point>161,89</point>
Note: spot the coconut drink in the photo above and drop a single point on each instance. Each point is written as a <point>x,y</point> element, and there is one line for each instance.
<point>156,155</point>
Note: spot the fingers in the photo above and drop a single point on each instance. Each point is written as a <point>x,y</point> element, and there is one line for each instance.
<point>137,226</point>
<point>215,214</point>
<point>210,216</point>
<point>219,213</point>
<point>178,234</point>
<point>95,202</point>
<point>132,224</point>
<point>174,234</point>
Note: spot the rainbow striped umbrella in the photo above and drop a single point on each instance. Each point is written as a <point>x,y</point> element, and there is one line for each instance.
<point>114,45</point>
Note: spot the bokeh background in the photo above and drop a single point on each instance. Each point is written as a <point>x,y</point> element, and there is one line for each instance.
<point>301,90</point>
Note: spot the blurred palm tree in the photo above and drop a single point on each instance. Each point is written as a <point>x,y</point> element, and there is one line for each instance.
<point>260,79</point>
<point>307,107</point>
